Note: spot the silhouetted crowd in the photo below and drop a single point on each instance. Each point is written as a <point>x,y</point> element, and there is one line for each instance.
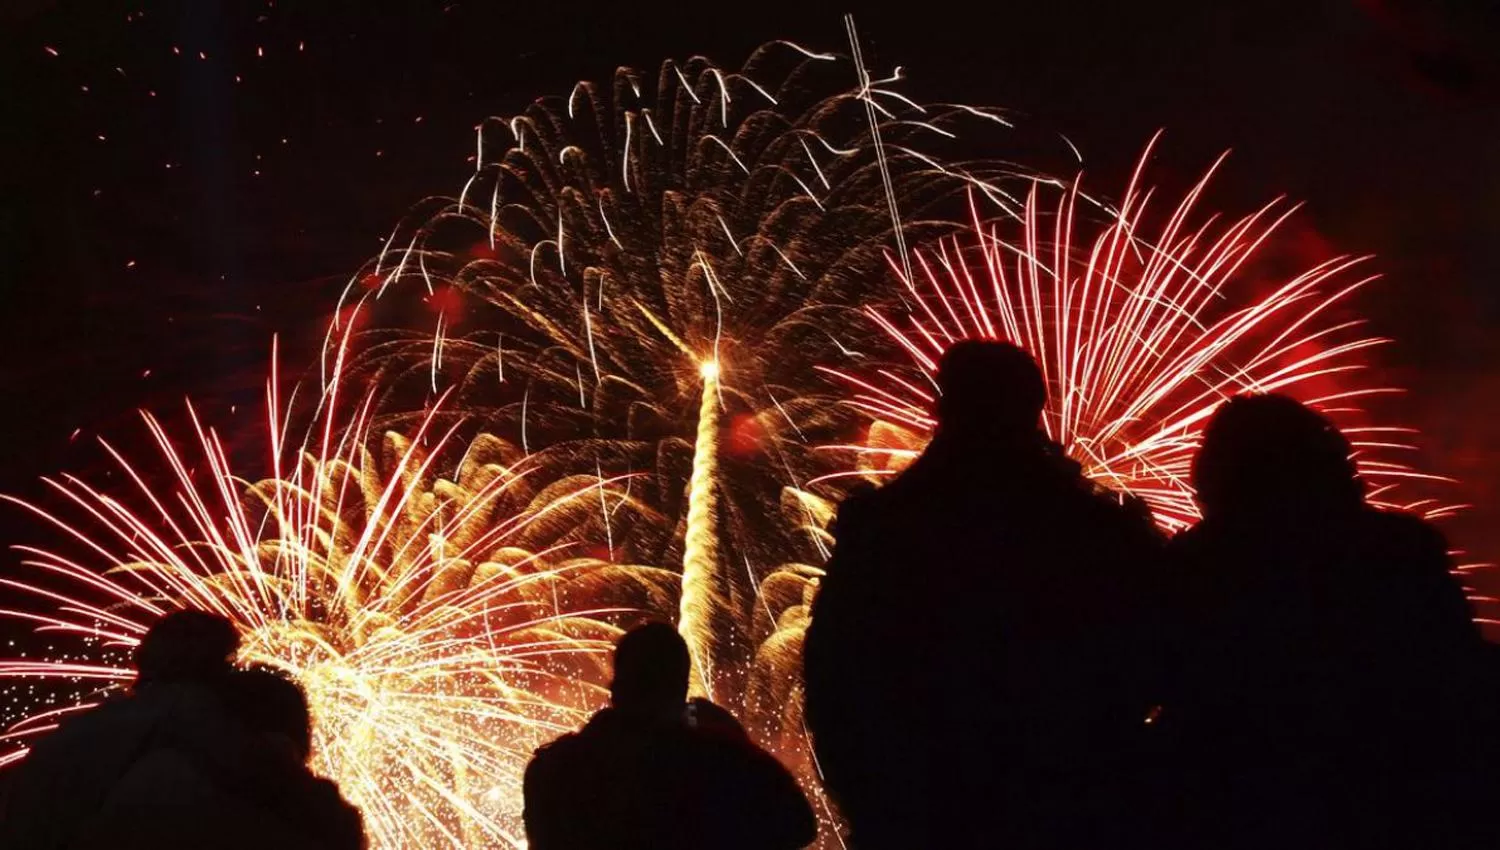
<point>198,754</point>
<point>1002,654</point>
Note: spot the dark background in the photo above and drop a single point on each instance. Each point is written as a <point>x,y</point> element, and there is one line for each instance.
<point>163,212</point>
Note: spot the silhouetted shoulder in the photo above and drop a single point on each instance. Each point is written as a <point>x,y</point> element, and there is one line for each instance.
<point>549,757</point>
<point>545,812</point>
<point>557,747</point>
<point>1125,522</point>
<point>1129,508</point>
<point>338,822</point>
<point>857,508</point>
<point>1417,571</point>
<point>70,770</point>
<point>755,800</point>
<point>1405,533</point>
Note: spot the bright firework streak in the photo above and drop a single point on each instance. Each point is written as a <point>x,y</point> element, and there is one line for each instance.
<point>428,618</point>
<point>1139,338</point>
<point>609,246</point>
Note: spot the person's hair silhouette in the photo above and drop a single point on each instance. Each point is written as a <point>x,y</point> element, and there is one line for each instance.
<point>1322,653</point>
<point>273,706</point>
<point>1261,452</point>
<point>186,646</point>
<point>989,387</point>
<point>651,671</point>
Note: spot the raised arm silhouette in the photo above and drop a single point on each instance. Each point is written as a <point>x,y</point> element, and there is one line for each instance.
<point>1329,676</point>
<point>976,658</point>
<point>653,771</point>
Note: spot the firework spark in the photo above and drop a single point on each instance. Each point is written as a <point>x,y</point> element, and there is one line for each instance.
<point>443,627</point>
<point>1140,336</point>
<point>641,284</point>
<point>644,279</point>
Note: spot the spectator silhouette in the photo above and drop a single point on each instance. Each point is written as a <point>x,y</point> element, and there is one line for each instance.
<point>975,660</point>
<point>66,776</point>
<point>652,771</point>
<point>196,755</point>
<point>1329,673</point>
<point>240,762</point>
<point>275,708</point>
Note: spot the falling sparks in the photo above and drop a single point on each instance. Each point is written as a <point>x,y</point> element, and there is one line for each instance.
<point>422,613</point>
<point>1140,338</point>
<point>729,221</point>
<point>670,283</point>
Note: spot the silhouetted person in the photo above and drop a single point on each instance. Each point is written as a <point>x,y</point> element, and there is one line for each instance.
<point>232,780</point>
<point>1328,675</point>
<point>184,760</point>
<point>975,661</point>
<point>275,710</point>
<point>64,780</point>
<point>652,771</point>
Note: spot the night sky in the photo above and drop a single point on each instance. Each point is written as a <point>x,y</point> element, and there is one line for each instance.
<point>179,181</point>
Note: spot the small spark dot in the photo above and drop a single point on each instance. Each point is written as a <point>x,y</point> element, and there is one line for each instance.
<point>50,49</point>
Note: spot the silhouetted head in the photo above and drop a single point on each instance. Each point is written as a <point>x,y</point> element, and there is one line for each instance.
<point>989,387</point>
<point>186,646</point>
<point>1270,454</point>
<point>651,671</point>
<point>272,706</point>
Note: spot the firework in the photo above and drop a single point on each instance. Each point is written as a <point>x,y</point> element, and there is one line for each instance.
<point>643,280</point>
<point>445,614</point>
<point>1139,334</point>
<point>651,301</point>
